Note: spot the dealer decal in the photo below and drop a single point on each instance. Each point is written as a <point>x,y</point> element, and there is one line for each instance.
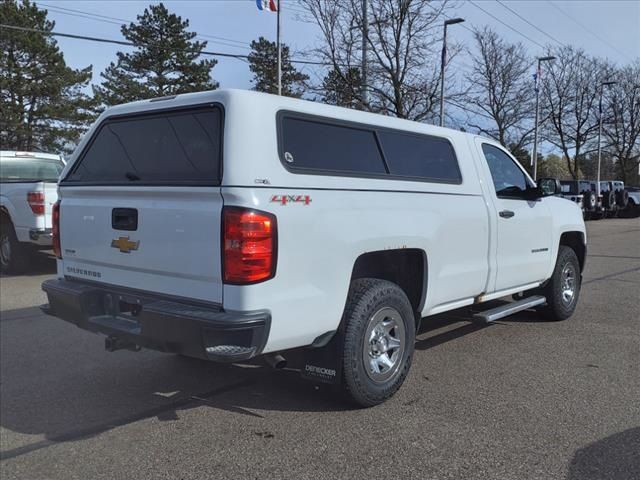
<point>320,372</point>
<point>285,199</point>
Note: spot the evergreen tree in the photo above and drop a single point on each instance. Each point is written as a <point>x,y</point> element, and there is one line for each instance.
<point>609,169</point>
<point>553,166</point>
<point>342,88</point>
<point>523,156</point>
<point>263,63</point>
<point>164,61</point>
<point>43,107</point>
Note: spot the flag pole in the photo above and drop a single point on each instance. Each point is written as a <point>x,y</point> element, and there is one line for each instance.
<point>279,48</point>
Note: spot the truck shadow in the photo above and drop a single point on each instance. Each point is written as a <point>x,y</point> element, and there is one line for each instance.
<point>615,458</point>
<point>40,263</point>
<point>430,335</point>
<point>59,383</point>
<point>435,330</point>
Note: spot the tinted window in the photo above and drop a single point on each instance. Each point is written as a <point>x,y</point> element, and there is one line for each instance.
<point>420,156</point>
<point>508,179</point>
<point>30,169</point>
<point>585,187</point>
<point>320,146</point>
<point>180,147</point>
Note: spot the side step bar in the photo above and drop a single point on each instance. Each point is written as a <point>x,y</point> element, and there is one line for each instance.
<point>509,309</point>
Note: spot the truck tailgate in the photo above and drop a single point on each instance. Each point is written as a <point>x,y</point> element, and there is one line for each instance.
<point>160,239</point>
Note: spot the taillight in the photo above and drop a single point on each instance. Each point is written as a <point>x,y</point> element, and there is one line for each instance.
<point>36,202</point>
<point>55,229</point>
<point>249,245</point>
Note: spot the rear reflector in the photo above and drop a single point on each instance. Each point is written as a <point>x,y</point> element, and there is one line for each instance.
<point>36,202</point>
<point>55,229</point>
<point>249,245</point>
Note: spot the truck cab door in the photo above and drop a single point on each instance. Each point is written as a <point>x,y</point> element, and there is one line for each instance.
<point>523,226</point>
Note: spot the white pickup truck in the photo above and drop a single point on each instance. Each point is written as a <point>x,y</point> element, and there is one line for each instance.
<point>230,224</point>
<point>28,191</point>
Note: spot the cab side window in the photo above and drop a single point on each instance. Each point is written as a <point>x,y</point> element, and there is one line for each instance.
<point>508,179</point>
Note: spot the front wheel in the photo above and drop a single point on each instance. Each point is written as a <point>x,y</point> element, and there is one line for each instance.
<point>563,289</point>
<point>379,337</point>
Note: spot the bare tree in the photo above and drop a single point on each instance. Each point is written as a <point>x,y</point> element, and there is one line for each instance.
<point>502,89</point>
<point>569,96</point>
<point>342,88</point>
<point>622,128</point>
<point>404,37</point>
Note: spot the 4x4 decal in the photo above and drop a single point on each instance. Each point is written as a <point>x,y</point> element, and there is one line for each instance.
<point>284,199</point>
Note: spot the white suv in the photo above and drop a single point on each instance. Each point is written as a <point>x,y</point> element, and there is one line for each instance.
<point>230,224</point>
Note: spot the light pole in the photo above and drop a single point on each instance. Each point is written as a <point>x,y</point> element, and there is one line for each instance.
<point>279,49</point>
<point>452,21</point>
<point>534,153</point>
<point>602,85</point>
<point>365,39</point>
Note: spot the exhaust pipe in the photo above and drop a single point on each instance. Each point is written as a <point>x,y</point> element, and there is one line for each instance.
<point>276,361</point>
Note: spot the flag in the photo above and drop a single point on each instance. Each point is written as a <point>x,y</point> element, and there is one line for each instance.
<point>268,5</point>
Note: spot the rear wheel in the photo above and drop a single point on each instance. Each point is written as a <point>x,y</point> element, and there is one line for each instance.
<point>379,339</point>
<point>13,255</point>
<point>563,289</point>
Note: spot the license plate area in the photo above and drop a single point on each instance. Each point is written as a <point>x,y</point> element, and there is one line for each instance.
<point>120,312</point>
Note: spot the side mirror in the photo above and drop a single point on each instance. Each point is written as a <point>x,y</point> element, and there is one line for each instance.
<point>549,186</point>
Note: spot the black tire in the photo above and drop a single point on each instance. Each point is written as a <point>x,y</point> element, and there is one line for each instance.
<point>559,306</point>
<point>13,255</point>
<point>589,201</point>
<point>622,199</point>
<point>372,302</point>
<point>609,200</point>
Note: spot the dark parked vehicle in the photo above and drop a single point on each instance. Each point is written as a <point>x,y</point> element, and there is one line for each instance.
<point>621,194</point>
<point>579,191</point>
<point>627,198</point>
<point>609,205</point>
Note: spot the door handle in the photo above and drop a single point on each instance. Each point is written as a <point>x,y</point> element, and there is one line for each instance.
<point>506,214</point>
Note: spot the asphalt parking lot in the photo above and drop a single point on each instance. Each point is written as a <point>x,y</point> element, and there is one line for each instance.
<point>519,399</point>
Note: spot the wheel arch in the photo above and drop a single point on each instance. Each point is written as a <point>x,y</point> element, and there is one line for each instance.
<point>575,241</point>
<point>406,267</point>
<point>5,217</point>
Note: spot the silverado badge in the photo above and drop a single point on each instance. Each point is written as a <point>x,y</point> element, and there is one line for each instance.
<point>124,244</point>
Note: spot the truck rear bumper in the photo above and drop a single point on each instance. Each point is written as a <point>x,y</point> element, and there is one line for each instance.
<point>131,318</point>
<point>41,236</point>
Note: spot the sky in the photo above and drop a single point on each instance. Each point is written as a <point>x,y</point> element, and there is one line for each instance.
<point>604,28</point>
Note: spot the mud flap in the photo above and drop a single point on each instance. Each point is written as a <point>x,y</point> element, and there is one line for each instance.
<point>324,363</point>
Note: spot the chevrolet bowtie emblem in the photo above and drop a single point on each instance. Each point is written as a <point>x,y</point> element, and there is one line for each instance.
<point>124,244</point>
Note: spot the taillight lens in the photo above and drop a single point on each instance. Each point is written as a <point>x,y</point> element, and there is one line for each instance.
<point>249,245</point>
<point>55,229</point>
<point>36,202</point>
